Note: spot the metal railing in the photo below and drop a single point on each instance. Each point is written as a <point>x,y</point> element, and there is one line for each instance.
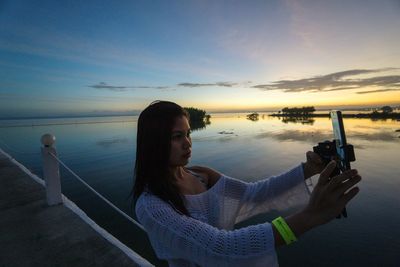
<point>52,183</point>
<point>51,175</point>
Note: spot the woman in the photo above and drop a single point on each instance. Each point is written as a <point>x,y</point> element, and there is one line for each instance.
<point>189,213</point>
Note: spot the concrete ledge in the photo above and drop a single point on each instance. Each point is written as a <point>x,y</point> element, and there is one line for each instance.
<point>34,234</point>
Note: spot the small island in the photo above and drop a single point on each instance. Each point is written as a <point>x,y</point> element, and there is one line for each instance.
<point>253,116</point>
<point>198,118</point>
<point>386,112</point>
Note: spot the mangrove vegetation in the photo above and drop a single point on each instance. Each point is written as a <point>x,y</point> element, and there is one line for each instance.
<point>385,112</point>
<point>198,119</point>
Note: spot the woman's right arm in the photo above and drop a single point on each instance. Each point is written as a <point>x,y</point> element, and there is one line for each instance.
<point>327,200</point>
<point>176,236</point>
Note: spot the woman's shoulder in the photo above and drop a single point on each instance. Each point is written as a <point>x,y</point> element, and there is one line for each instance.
<point>210,175</point>
<point>147,199</point>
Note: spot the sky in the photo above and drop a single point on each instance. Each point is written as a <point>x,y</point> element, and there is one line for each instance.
<point>60,58</point>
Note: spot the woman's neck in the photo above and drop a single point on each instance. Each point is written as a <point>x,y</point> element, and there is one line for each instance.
<point>178,172</point>
<point>187,183</point>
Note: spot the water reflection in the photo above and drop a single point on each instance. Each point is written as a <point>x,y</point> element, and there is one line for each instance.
<point>252,116</point>
<point>297,135</point>
<point>106,143</point>
<point>226,139</point>
<point>199,125</point>
<point>319,136</point>
<point>226,132</point>
<point>384,119</point>
<point>302,120</point>
<point>378,136</point>
<point>243,149</point>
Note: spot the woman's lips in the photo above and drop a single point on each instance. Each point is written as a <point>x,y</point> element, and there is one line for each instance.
<point>187,155</point>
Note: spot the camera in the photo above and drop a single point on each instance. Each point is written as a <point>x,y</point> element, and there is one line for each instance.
<point>337,149</point>
<point>329,150</point>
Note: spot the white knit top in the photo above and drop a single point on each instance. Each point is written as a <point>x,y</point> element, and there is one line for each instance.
<point>207,237</point>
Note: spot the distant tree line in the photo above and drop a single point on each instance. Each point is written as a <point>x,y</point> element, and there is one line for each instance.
<point>253,116</point>
<point>385,112</point>
<point>387,109</point>
<point>198,118</point>
<point>304,111</point>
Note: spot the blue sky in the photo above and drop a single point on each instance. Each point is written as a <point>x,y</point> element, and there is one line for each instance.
<point>105,57</point>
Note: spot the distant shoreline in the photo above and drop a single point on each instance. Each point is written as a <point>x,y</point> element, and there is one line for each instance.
<point>63,123</point>
<point>393,115</point>
<point>396,107</point>
<point>66,117</point>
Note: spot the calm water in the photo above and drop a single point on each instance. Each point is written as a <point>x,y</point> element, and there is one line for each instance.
<point>102,152</point>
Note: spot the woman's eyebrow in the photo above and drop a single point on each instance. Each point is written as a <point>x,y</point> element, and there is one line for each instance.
<point>181,131</point>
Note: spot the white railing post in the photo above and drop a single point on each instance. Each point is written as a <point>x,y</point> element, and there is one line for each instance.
<point>51,170</point>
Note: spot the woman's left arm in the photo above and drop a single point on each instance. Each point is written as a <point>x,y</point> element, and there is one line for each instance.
<point>280,192</point>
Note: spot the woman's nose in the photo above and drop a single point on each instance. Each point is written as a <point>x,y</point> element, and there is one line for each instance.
<point>188,142</point>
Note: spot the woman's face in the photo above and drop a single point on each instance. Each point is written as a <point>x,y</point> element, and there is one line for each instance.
<point>181,143</point>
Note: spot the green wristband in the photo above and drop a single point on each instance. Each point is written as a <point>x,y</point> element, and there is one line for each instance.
<point>284,229</point>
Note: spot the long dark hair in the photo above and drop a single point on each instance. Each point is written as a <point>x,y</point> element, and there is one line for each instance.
<point>154,133</point>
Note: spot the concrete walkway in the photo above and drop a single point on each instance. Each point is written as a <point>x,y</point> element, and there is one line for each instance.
<point>34,234</point>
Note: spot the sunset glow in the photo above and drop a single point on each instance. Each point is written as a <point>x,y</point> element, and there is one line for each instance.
<point>97,58</point>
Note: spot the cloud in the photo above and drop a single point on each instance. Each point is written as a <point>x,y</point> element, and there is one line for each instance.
<point>226,84</point>
<point>377,91</point>
<point>335,82</point>
<point>150,87</point>
<point>338,81</point>
<point>196,84</point>
<point>103,85</point>
<point>220,84</point>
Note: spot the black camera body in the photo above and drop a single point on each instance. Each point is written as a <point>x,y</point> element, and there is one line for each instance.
<point>337,149</point>
<point>327,150</point>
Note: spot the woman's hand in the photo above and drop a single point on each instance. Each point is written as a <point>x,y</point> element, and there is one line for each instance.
<point>313,165</point>
<point>330,196</point>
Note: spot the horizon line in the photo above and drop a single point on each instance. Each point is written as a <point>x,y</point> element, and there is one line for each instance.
<point>216,111</point>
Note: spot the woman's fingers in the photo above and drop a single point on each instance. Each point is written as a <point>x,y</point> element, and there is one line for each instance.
<point>342,188</point>
<point>349,195</point>
<point>313,165</point>
<point>324,176</point>
<point>313,157</point>
<point>339,179</point>
<point>330,195</point>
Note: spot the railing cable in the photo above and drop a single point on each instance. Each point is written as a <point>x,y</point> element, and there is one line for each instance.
<point>98,194</point>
